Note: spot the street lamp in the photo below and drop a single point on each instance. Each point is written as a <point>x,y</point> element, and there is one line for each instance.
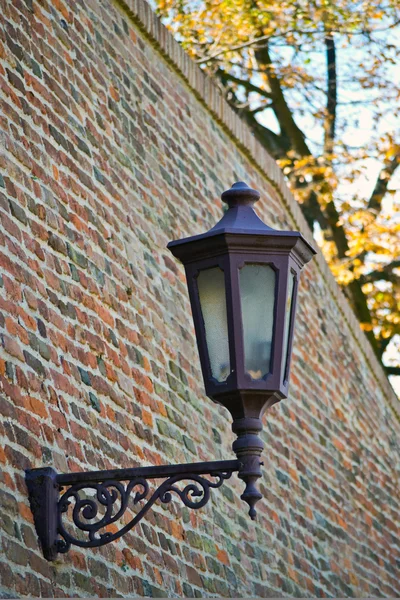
<point>242,278</point>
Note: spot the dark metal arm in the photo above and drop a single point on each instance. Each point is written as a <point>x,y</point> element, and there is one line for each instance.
<point>96,500</point>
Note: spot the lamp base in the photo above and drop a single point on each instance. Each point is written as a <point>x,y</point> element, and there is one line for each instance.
<point>248,448</point>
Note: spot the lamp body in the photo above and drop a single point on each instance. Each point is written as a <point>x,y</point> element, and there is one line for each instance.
<point>268,381</point>
<point>242,279</point>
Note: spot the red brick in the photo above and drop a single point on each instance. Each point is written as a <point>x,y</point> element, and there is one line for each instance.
<point>16,330</point>
<point>13,348</point>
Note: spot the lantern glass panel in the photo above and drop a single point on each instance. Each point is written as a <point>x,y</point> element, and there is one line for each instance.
<point>288,319</point>
<point>211,287</point>
<point>257,295</point>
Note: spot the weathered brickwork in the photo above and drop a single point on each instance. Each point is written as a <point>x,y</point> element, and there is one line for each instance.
<point>112,144</point>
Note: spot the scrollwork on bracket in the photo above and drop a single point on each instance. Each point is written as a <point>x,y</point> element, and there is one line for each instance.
<point>96,500</point>
<point>109,494</point>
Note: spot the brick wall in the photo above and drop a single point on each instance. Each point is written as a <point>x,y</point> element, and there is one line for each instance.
<point>112,144</point>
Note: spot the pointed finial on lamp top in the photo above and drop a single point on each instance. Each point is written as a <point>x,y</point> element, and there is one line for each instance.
<point>240,194</point>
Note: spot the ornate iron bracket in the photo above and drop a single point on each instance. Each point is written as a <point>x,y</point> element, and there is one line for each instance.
<point>99,499</point>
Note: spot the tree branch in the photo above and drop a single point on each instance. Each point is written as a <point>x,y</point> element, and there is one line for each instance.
<point>381,185</point>
<point>331,93</point>
<point>260,108</point>
<point>392,370</point>
<point>224,76</point>
<point>276,145</point>
<point>384,343</point>
<point>280,107</point>
<point>282,34</point>
<point>234,48</point>
<point>383,274</point>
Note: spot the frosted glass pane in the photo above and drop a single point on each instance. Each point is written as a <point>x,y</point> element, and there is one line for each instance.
<point>211,286</point>
<point>288,311</point>
<point>257,294</point>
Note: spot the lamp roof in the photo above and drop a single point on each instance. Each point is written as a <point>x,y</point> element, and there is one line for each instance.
<point>240,221</point>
